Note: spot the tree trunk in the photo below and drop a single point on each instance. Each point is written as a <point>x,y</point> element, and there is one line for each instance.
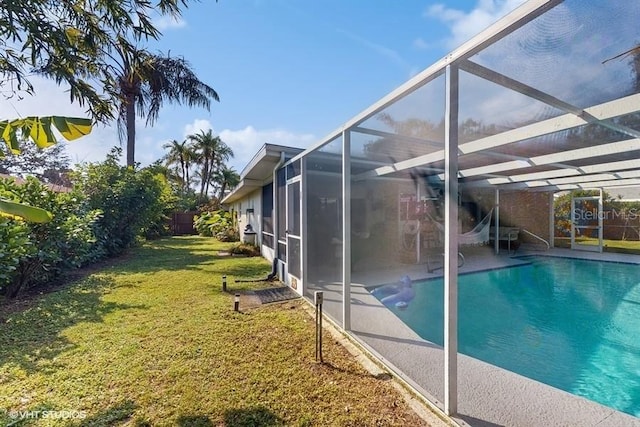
<point>188,183</point>
<point>206,188</point>
<point>184,182</point>
<point>223,188</point>
<point>212,169</point>
<point>131,129</point>
<point>205,176</point>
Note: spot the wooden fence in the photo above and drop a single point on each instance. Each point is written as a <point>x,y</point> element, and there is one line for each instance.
<point>182,223</point>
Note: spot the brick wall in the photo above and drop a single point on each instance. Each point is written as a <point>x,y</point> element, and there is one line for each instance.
<point>528,210</point>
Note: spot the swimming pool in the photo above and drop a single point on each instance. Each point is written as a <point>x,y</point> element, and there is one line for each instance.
<point>573,324</point>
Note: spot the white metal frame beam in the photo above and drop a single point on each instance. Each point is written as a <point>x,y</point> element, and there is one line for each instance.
<point>568,121</point>
<point>547,159</point>
<point>346,230</point>
<point>451,243</point>
<point>509,83</point>
<point>543,186</point>
<point>628,166</point>
<point>397,137</point>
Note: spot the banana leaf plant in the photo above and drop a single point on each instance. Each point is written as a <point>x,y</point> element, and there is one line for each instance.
<point>30,213</point>
<point>38,129</point>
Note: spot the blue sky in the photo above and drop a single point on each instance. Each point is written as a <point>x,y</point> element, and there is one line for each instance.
<point>287,72</point>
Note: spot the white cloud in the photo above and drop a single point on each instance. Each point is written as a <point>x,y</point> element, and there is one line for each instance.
<point>197,126</point>
<point>464,25</point>
<point>166,22</point>
<point>246,142</point>
<point>95,146</point>
<point>51,100</point>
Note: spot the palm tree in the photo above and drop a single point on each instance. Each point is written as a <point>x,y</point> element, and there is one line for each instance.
<point>203,145</point>
<point>145,81</point>
<point>190,157</point>
<point>222,155</point>
<point>227,178</point>
<point>212,153</point>
<point>177,155</point>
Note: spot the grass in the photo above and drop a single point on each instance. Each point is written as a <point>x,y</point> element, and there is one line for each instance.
<point>152,340</point>
<point>621,246</point>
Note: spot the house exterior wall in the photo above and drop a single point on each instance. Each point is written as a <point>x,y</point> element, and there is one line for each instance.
<point>252,201</point>
<point>249,211</point>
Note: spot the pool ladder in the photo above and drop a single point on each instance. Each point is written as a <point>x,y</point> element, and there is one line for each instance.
<point>431,269</point>
<point>537,237</point>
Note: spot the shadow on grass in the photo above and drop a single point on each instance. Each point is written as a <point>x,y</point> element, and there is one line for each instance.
<point>30,334</point>
<point>195,253</point>
<point>192,254</point>
<point>115,415</point>
<point>249,417</point>
<point>194,421</point>
<point>253,270</point>
<point>155,257</point>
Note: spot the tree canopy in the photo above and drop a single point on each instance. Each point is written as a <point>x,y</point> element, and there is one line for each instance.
<point>146,81</point>
<point>71,42</point>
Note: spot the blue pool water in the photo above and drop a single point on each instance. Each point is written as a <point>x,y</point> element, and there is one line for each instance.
<point>572,324</point>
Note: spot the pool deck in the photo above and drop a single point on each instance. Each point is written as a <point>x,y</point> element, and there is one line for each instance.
<point>488,395</point>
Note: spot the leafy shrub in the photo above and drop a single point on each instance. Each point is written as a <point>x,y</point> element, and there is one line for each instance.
<point>219,224</point>
<point>228,235</point>
<point>134,203</point>
<point>245,249</point>
<point>44,251</point>
<point>202,224</point>
<point>14,247</point>
<point>109,209</point>
<point>169,200</point>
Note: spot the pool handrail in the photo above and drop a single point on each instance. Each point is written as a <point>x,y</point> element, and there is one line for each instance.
<point>537,237</point>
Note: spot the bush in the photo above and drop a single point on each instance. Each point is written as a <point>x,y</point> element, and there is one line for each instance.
<point>134,203</point>
<point>246,249</point>
<point>110,208</point>
<point>33,254</point>
<point>219,224</point>
<point>15,246</point>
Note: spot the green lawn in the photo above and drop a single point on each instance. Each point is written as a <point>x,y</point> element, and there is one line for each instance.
<point>623,246</point>
<point>152,340</point>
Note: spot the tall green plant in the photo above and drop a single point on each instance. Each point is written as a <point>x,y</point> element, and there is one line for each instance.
<point>218,224</point>
<point>15,246</point>
<point>36,253</point>
<point>132,201</point>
